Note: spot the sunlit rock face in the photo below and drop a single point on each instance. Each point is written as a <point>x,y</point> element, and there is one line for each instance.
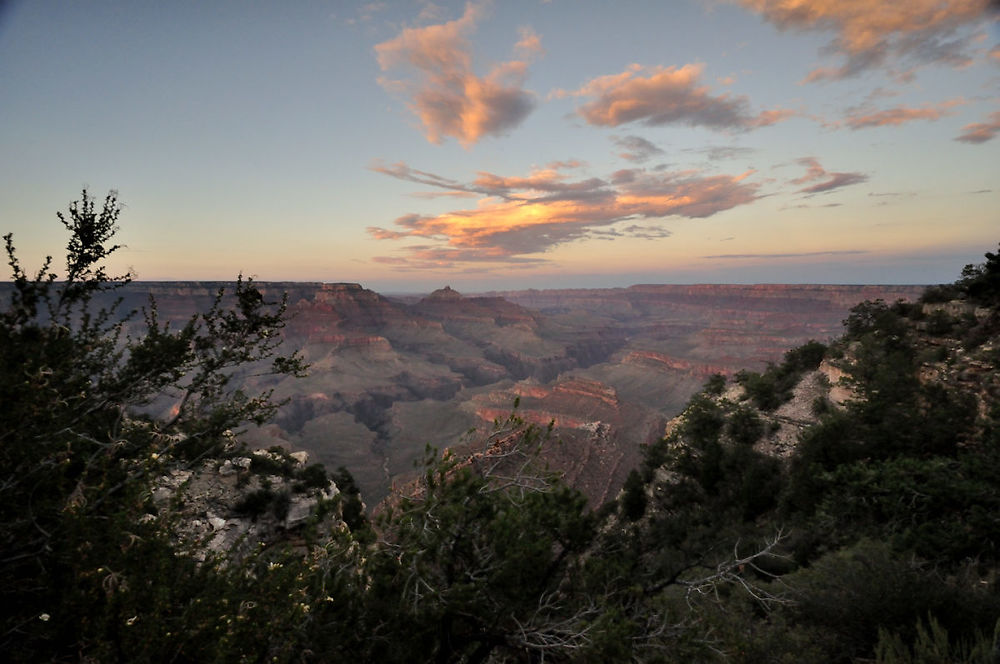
<point>608,366</point>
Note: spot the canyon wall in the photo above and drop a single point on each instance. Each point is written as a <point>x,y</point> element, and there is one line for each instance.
<point>608,366</point>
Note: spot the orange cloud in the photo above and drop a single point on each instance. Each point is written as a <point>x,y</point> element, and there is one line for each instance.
<point>980,132</point>
<point>828,181</point>
<point>870,32</point>
<point>893,117</point>
<point>520,217</point>
<point>447,96</point>
<point>666,95</point>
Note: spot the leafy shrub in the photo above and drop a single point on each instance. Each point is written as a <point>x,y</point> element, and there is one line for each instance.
<point>256,502</point>
<point>744,426</point>
<point>820,406</point>
<point>761,389</point>
<point>703,421</point>
<point>313,476</point>
<point>276,461</point>
<point>352,509</point>
<point>633,501</point>
<point>939,294</point>
<point>853,594</point>
<point>715,385</point>
<point>982,282</point>
<point>933,646</point>
<point>806,357</point>
<point>940,323</point>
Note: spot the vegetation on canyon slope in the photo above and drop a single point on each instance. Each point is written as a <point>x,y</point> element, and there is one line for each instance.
<point>873,538</point>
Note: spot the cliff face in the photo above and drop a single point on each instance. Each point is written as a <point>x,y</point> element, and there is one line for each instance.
<point>608,366</point>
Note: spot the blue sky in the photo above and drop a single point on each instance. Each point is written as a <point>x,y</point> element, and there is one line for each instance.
<point>406,145</point>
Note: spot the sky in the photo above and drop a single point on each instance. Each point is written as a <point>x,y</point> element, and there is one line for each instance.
<point>508,145</point>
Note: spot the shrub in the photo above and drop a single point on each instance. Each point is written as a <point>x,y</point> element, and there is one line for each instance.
<point>255,502</point>
<point>744,426</point>
<point>312,476</point>
<point>633,501</point>
<point>939,323</point>
<point>715,385</point>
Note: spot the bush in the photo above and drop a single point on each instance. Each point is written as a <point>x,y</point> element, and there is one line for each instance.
<point>255,502</point>
<point>715,385</point>
<point>312,476</point>
<point>806,357</point>
<point>276,461</point>
<point>939,294</point>
<point>633,501</point>
<point>854,594</point>
<point>744,426</point>
<point>761,389</point>
<point>939,323</point>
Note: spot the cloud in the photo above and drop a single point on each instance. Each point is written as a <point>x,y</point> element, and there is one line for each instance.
<point>805,254</point>
<point>893,117</point>
<point>666,95</point>
<point>529,45</point>
<point>890,197</point>
<point>825,180</point>
<point>980,132</point>
<point>721,152</point>
<point>871,33</point>
<point>445,94</point>
<point>518,218</point>
<point>636,149</point>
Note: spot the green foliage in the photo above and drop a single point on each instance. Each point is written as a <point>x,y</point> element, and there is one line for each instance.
<point>820,406</point>
<point>855,593</point>
<point>313,476</point>
<point>744,426</point>
<point>772,388</point>
<point>276,461</point>
<point>941,293</point>
<point>981,283</point>
<point>715,385</point>
<point>933,646</point>
<point>806,357</point>
<point>256,502</point>
<point>703,421</point>
<point>761,388</point>
<point>352,509</point>
<point>633,501</point>
<point>475,559</point>
<point>940,323</point>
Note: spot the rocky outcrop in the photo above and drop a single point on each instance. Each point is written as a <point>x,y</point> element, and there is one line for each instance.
<point>232,506</point>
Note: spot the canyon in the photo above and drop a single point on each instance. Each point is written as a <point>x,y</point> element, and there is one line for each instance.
<point>608,368</point>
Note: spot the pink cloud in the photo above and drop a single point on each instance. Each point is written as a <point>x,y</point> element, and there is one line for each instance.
<point>827,181</point>
<point>445,94</point>
<point>520,217</point>
<point>870,33</point>
<point>893,117</point>
<point>980,132</point>
<point>666,95</point>
<point>529,45</point>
